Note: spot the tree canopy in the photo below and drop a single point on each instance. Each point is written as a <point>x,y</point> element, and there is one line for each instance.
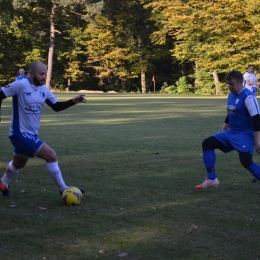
<point>121,45</point>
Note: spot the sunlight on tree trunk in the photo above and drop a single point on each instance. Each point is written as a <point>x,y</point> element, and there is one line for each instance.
<point>216,81</point>
<point>143,85</point>
<point>51,48</point>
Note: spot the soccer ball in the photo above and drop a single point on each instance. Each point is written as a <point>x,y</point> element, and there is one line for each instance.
<point>71,196</point>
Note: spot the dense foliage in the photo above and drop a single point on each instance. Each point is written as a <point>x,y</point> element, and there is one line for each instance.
<point>120,45</point>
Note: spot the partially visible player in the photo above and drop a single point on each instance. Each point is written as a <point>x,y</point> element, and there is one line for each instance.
<point>240,131</point>
<point>29,96</point>
<point>251,80</point>
<point>21,75</point>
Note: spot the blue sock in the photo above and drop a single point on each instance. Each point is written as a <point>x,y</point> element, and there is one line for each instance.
<point>212,176</point>
<point>209,159</point>
<point>254,168</point>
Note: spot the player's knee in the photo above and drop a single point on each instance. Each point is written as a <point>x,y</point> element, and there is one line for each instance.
<point>47,153</point>
<point>51,156</point>
<point>207,144</point>
<point>17,163</point>
<point>245,159</point>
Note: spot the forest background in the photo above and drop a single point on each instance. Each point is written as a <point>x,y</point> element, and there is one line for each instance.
<point>130,46</point>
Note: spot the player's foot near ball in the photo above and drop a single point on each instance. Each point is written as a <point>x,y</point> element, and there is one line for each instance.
<point>81,189</point>
<point>4,190</point>
<point>208,184</point>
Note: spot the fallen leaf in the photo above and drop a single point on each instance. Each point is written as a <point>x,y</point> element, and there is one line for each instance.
<point>101,251</point>
<point>122,254</point>
<point>193,226</point>
<point>42,208</point>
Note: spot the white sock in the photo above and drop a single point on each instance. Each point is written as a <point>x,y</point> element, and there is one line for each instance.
<point>10,172</point>
<point>55,173</point>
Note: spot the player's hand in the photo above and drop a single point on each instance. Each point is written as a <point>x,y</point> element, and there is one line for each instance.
<point>79,99</point>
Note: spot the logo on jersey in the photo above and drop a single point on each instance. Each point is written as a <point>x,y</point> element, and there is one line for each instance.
<point>34,102</point>
<point>33,108</point>
<point>231,109</point>
<point>237,100</point>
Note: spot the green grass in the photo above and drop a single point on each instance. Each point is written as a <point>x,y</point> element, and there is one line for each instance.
<point>138,156</point>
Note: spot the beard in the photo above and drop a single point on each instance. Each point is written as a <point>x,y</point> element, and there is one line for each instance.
<point>37,82</point>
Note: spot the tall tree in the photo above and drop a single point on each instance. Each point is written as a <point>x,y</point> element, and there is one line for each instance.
<point>54,8</point>
<point>119,43</point>
<point>216,35</point>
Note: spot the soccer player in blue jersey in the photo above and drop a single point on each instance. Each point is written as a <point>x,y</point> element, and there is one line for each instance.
<point>240,131</point>
<point>29,96</point>
<point>21,75</point>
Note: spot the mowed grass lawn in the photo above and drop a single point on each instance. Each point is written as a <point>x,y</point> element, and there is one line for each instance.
<point>138,156</point>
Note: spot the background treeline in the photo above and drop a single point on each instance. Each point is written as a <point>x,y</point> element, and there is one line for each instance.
<point>120,45</point>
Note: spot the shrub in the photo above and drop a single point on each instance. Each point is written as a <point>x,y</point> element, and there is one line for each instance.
<point>183,87</point>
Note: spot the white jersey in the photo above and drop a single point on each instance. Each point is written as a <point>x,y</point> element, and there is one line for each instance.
<point>252,78</point>
<point>28,101</point>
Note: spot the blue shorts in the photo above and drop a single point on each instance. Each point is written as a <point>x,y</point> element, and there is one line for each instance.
<point>25,144</point>
<point>236,141</point>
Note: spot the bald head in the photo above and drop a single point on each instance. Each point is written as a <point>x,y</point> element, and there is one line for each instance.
<point>37,73</point>
<point>35,65</point>
<point>21,72</point>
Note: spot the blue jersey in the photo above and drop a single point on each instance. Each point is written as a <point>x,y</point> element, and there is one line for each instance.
<point>28,101</point>
<point>21,77</point>
<point>241,108</point>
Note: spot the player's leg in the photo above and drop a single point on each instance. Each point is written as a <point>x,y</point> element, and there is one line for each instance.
<point>209,158</point>
<point>247,161</point>
<point>49,155</point>
<point>11,171</point>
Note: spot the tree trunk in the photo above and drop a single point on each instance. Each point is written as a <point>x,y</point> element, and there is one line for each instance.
<point>196,84</point>
<point>216,81</point>
<point>143,85</point>
<point>51,48</point>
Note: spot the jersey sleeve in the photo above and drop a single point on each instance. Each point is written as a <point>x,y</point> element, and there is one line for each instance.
<point>252,105</point>
<point>246,76</point>
<point>12,89</point>
<point>51,99</point>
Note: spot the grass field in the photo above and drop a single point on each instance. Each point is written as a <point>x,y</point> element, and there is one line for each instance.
<point>138,156</point>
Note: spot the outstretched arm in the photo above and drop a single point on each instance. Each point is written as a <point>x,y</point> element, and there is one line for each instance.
<point>59,106</point>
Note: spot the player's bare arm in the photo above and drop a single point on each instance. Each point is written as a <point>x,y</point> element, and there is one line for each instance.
<point>257,141</point>
<point>225,126</point>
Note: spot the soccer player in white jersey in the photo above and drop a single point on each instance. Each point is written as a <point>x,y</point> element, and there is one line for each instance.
<point>251,80</point>
<point>240,131</point>
<point>29,96</point>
